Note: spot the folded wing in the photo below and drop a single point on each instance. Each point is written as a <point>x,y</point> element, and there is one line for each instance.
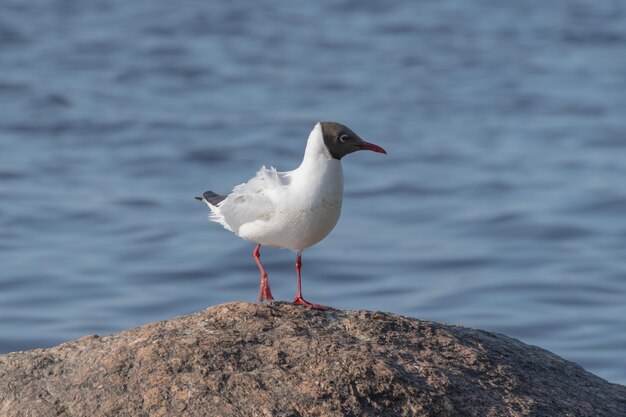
<point>252,201</point>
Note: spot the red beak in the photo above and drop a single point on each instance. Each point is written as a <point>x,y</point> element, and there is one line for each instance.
<point>372,147</point>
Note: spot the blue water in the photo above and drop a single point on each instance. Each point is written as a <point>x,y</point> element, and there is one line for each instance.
<point>501,204</point>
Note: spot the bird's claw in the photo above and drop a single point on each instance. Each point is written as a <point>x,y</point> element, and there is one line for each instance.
<point>266,295</point>
<point>301,301</point>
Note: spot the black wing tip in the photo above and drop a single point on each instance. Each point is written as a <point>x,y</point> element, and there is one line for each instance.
<point>211,197</point>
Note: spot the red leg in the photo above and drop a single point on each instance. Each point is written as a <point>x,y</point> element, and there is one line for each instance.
<point>264,291</point>
<point>299,300</point>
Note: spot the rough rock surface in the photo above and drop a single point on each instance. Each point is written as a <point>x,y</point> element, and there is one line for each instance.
<point>243,359</point>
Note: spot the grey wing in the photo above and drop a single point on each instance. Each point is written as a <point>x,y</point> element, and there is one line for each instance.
<point>252,201</point>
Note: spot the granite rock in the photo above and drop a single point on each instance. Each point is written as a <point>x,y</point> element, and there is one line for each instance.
<point>242,359</point>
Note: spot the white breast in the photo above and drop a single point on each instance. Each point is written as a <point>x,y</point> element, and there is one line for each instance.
<point>306,209</point>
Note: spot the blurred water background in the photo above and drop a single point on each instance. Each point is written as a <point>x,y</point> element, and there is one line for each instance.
<point>501,204</point>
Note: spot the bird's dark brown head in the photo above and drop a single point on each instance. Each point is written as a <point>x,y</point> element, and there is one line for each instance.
<point>341,140</point>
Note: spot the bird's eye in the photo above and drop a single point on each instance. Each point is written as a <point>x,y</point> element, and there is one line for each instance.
<point>343,138</point>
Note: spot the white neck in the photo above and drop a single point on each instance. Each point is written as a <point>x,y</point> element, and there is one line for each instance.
<point>316,151</point>
<point>318,166</point>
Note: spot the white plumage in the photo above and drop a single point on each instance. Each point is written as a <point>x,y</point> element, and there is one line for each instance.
<point>291,210</point>
<point>294,209</point>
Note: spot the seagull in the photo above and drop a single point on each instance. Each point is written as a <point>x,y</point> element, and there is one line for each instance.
<point>294,209</point>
